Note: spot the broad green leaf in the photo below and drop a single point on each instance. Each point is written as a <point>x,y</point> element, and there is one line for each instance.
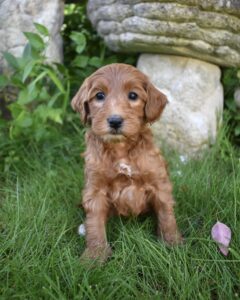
<point>56,80</point>
<point>32,85</point>
<point>27,51</point>
<point>15,109</point>
<point>24,120</point>
<point>22,63</point>
<point>80,49</point>
<point>30,53</point>
<point>23,97</point>
<point>35,40</point>
<point>41,29</point>
<point>81,61</point>
<point>33,93</point>
<point>53,99</point>
<point>16,80</point>
<point>80,39</point>
<point>43,94</point>
<point>28,69</point>
<point>95,62</point>
<point>41,112</point>
<point>12,60</point>
<point>26,97</point>
<point>3,81</point>
<point>55,115</point>
<point>44,112</point>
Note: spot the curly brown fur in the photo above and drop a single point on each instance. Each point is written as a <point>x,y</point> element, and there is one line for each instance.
<point>125,173</point>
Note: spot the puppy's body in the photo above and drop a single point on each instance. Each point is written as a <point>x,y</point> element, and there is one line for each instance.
<point>125,173</point>
<point>129,174</point>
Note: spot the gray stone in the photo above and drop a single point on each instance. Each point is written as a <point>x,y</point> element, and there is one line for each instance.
<point>17,16</point>
<point>190,120</point>
<point>205,29</point>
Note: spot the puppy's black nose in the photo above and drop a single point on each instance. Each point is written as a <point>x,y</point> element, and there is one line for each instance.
<point>115,121</point>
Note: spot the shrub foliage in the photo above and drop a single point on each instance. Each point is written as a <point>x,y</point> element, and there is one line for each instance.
<point>231,80</point>
<point>42,90</point>
<point>35,95</point>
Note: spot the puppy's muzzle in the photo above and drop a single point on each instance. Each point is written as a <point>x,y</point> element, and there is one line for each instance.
<point>115,122</point>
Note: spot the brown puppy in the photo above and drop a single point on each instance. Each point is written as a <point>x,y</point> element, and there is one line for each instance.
<point>125,173</point>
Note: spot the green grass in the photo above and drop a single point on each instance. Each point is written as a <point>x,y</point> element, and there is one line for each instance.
<point>40,248</point>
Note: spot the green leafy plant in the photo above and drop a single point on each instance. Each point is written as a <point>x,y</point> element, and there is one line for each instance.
<point>35,95</point>
<point>231,80</point>
<point>40,102</point>
<point>84,50</point>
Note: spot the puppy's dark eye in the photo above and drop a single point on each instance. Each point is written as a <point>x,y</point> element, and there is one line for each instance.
<point>132,96</point>
<point>100,96</point>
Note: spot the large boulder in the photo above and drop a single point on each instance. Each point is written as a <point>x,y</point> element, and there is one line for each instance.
<point>206,29</point>
<point>200,34</point>
<point>17,16</point>
<point>192,116</point>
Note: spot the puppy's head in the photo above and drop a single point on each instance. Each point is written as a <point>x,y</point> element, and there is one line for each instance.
<point>117,100</point>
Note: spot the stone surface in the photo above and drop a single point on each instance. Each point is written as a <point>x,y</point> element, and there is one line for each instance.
<point>17,16</point>
<point>190,120</point>
<point>204,29</point>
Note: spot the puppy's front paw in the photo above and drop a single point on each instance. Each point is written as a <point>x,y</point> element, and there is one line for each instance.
<point>99,254</point>
<point>173,239</point>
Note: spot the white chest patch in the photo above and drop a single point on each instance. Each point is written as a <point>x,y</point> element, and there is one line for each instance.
<point>125,169</point>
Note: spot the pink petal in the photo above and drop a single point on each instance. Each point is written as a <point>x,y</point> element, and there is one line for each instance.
<point>224,250</point>
<point>221,233</point>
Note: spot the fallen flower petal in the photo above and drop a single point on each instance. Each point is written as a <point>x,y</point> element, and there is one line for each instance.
<point>221,234</point>
<point>81,230</point>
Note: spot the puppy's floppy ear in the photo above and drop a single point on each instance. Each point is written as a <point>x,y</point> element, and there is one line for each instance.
<point>155,103</point>
<point>80,102</point>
